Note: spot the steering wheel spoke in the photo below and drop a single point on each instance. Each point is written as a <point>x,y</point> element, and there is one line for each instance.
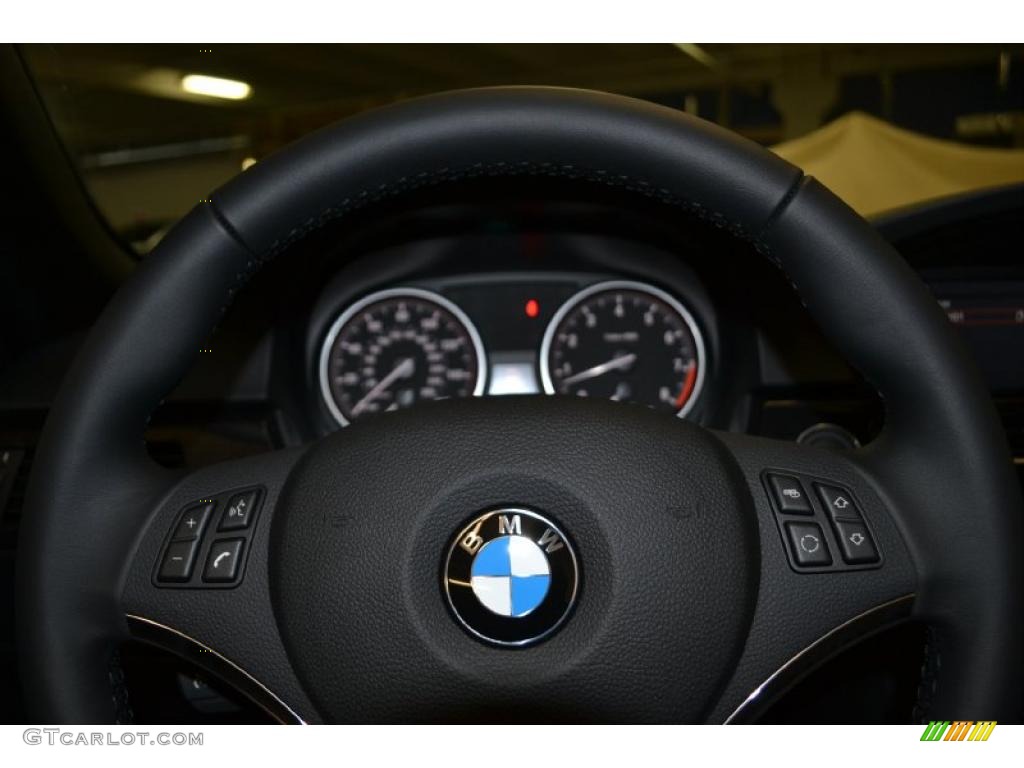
<point>834,567</point>
<point>198,581</point>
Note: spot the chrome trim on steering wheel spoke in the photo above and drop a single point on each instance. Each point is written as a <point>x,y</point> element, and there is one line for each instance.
<point>867,623</point>
<point>168,638</point>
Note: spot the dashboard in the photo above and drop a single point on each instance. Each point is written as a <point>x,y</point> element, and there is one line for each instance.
<point>560,298</point>
<point>571,334</point>
<point>490,301</point>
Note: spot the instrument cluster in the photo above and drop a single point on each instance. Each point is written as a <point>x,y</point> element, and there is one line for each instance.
<point>584,336</point>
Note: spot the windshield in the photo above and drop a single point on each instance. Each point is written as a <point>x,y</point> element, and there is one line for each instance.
<point>154,128</point>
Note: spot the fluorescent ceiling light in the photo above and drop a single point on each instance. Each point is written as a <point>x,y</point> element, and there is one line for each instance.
<point>217,87</point>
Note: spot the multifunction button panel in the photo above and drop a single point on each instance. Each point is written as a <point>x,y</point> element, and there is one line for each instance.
<point>821,524</point>
<point>209,541</point>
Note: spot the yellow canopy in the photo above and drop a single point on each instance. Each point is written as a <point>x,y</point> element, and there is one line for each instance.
<point>875,166</point>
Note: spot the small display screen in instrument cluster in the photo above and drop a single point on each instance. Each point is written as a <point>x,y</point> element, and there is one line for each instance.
<point>991,320</point>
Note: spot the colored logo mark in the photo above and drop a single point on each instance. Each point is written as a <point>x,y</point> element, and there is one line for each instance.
<point>511,575</point>
<point>958,730</point>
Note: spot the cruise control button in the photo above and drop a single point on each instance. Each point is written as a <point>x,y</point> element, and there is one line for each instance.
<point>191,523</point>
<point>222,562</point>
<point>178,560</point>
<point>807,544</point>
<point>855,541</point>
<point>790,495</point>
<point>838,502</point>
<point>238,513</point>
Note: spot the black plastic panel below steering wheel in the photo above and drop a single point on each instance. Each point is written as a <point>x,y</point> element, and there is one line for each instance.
<point>936,488</point>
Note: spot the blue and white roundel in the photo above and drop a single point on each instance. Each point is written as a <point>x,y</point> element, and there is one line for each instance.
<point>510,576</point>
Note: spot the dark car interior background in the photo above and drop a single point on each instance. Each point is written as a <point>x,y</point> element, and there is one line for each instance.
<point>104,155</point>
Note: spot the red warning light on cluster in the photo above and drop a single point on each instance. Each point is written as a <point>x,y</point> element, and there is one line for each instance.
<point>532,308</point>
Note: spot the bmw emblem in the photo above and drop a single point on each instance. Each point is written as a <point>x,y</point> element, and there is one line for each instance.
<point>511,577</point>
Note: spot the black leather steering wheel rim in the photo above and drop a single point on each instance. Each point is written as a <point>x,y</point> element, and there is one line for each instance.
<point>940,467</point>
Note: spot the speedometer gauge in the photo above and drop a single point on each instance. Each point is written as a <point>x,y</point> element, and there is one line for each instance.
<point>625,341</point>
<point>397,347</point>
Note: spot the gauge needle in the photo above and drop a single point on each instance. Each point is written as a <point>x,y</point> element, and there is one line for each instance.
<point>614,364</point>
<point>403,370</point>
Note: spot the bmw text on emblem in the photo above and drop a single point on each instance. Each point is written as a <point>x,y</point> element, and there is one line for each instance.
<point>511,577</point>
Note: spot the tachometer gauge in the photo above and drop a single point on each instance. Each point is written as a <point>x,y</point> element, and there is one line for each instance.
<point>397,347</point>
<point>626,341</point>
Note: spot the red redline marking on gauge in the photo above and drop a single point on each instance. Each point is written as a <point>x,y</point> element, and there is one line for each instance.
<point>688,384</point>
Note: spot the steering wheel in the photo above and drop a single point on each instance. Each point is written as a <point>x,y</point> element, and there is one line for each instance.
<point>702,586</point>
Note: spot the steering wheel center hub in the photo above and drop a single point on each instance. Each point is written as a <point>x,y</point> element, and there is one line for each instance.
<point>545,552</point>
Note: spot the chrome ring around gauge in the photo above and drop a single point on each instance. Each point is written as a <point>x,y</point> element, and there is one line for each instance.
<point>431,351</point>
<point>603,337</point>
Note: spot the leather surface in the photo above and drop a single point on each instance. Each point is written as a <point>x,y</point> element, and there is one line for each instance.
<point>238,622</point>
<point>92,484</point>
<point>942,458</point>
<point>542,132</point>
<point>659,516</point>
<point>795,610</point>
<point>942,461</point>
